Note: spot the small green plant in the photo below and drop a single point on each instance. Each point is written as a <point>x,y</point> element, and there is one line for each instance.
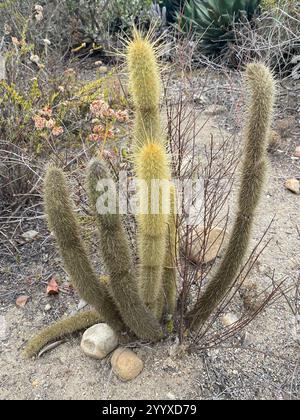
<point>143,301</point>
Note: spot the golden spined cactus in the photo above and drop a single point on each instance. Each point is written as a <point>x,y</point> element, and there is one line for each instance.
<point>152,169</point>
<point>63,223</point>
<point>118,261</point>
<point>145,86</point>
<point>261,88</point>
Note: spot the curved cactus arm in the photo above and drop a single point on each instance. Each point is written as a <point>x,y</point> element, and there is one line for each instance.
<point>261,86</point>
<point>117,258</point>
<point>59,330</point>
<point>64,225</point>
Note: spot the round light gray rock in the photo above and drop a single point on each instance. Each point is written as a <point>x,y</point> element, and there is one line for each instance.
<point>98,341</point>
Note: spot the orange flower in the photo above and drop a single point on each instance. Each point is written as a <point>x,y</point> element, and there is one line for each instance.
<point>99,108</point>
<point>57,131</point>
<point>99,129</point>
<point>122,116</point>
<point>39,122</point>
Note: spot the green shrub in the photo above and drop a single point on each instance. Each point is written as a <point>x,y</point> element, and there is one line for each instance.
<point>71,23</point>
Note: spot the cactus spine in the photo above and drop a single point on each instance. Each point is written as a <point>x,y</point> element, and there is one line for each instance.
<point>117,257</point>
<point>152,166</point>
<point>144,83</point>
<point>261,86</point>
<point>153,169</point>
<point>63,223</point>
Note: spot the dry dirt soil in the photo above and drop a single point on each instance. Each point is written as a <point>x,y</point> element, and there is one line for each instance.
<point>262,363</point>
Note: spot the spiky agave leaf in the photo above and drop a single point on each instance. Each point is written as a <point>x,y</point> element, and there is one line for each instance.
<point>213,20</point>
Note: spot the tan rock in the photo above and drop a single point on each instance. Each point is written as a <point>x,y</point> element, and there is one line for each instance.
<point>126,364</point>
<point>297,152</point>
<point>293,185</point>
<point>98,341</point>
<point>211,241</point>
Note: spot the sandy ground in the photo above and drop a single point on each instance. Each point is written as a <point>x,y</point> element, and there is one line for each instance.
<point>263,364</point>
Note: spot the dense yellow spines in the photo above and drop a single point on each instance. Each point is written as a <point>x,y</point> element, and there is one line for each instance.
<point>153,173</point>
<point>145,87</point>
<point>144,77</point>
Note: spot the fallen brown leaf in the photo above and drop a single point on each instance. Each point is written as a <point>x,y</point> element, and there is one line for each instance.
<point>21,301</point>
<point>52,287</point>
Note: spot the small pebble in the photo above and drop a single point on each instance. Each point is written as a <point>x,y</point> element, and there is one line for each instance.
<point>229,319</point>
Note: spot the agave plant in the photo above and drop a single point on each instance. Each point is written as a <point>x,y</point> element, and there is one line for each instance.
<point>213,20</point>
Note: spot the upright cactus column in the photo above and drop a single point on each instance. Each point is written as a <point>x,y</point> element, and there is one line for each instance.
<point>118,260</point>
<point>144,83</point>
<point>260,107</point>
<point>152,168</point>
